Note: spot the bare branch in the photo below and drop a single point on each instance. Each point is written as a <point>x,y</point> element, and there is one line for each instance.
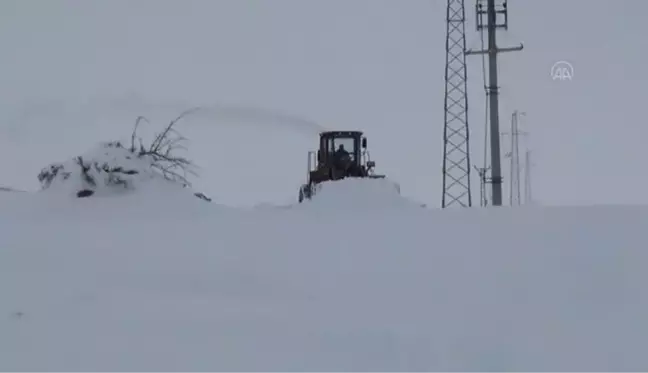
<point>134,134</point>
<point>157,142</point>
<point>162,150</point>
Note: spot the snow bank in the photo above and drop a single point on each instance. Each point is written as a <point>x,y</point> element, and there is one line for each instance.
<point>109,169</point>
<point>354,193</point>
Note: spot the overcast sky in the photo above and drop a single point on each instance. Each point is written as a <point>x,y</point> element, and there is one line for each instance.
<point>275,72</point>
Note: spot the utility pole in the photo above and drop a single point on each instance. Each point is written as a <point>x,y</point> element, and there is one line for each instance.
<point>492,11</point>
<point>456,154</point>
<point>515,197</point>
<point>528,198</point>
<point>483,180</point>
<point>515,193</point>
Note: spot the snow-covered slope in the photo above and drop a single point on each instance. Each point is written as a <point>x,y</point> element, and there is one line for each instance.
<point>165,281</point>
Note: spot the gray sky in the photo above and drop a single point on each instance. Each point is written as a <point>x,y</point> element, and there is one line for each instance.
<point>77,72</point>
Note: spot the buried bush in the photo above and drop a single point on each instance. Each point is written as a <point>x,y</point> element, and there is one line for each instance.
<point>114,168</point>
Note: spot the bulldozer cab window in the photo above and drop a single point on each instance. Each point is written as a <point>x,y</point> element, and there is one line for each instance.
<point>347,142</point>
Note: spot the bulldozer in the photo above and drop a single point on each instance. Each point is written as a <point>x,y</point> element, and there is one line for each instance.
<point>341,154</point>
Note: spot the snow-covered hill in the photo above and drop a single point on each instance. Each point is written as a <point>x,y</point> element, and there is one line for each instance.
<point>160,280</point>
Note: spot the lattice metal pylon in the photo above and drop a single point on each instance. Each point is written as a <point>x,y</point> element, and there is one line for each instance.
<point>456,150</point>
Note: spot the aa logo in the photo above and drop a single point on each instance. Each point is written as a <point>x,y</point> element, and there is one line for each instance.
<point>562,70</point>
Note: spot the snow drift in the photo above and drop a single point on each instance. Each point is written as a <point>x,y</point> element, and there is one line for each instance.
<point>160,282</point>
<point>108,169</point>
<point>114,169</point>
<point>354,193</point>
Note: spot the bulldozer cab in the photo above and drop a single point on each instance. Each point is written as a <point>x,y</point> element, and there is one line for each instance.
<point>340,145</point>
<point>340,155</point>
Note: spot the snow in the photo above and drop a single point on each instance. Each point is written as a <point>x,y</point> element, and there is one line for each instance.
<point>159,280</point>
<point>105,164</point>
<point>111,169</point>
<point>8,189</point>
<point>142,276</point>
<point>353,193</point>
